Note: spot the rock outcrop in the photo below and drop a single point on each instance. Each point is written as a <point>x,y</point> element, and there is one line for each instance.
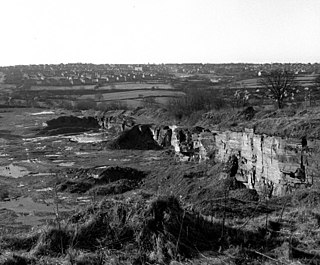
<point>271,165</point>
<point>115,120</point>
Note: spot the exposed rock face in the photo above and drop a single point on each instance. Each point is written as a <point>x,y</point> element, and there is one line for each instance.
<point>271,165</point>
<point>115,120</point>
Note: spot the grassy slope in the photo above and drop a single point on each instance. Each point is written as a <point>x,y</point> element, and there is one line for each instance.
<point>288,122</point>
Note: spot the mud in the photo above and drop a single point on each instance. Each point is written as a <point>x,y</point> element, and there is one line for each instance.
<point>31,213</point>
<point>13,171</point>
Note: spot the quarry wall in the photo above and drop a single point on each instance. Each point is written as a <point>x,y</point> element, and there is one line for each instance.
<point>269,164</point>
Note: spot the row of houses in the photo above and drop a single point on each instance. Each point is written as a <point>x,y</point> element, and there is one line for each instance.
<point>81,79</point>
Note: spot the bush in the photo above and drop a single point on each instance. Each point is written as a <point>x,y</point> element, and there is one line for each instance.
<point>85,104</point>
<point>149,102</point>
<point>195,100</point>
<point>112,105</point>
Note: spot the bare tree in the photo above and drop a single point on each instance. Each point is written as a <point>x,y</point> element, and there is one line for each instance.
<point>279,85</point>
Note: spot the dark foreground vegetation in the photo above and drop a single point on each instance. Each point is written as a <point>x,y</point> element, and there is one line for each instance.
<point>148,230</point>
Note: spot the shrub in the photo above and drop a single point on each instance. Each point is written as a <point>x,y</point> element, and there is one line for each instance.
<point>195,100</point>
<point>112,105</point>
<point>149,102</point>
<point>85,104</point>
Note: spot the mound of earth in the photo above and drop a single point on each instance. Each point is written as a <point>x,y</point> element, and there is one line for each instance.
<point>139,137</point>
<point>111,180</point>
<point>69,124</point>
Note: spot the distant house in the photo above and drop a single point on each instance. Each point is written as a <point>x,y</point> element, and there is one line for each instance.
<point>102,80</point>
<point>95,80</point>
<point>65,82</point>
<point>88,81</point>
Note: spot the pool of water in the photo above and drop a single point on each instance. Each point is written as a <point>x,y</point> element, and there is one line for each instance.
<point>13,171</point>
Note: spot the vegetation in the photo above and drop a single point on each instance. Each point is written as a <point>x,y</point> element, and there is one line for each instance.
<point>279,85</point>
<point>85,104</point>
<point>195,99</point>
<point>112,105</point>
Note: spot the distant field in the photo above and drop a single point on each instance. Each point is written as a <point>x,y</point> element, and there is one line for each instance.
<point>134,94</point>
<point>6,87</point>
<point>125,86</point>
<point>304,80</point>
<point>135,86</point>
<point>139,101</point>
<point>42,88</point>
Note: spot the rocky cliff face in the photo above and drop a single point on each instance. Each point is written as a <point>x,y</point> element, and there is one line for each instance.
<point>271,165</point>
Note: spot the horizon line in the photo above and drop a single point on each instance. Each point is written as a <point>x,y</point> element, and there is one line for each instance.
<point>163,63</point>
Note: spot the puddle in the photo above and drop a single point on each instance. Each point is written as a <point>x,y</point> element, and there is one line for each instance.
<point>57,161</point>
<point>67,164</point>
<point>43,174</point>
<point>88,138</point>
<point>42,113</point>
<point>45,189</point>
<point>152,158</point>
<point>13,171</point>
<point>82,153</point>
<point>30,212</point>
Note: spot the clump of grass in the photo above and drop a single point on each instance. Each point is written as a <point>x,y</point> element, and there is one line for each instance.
<point>54,241</point>
<point>170,233</point>
<point>143,231</point>
<point>77,257</point>
<point>14,259</point>
<point>19,242</point>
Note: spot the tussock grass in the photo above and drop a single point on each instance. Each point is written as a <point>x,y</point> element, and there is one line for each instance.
<point>157,230</point>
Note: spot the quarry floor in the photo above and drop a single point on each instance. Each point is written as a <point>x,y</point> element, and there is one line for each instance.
<point>32,165</point>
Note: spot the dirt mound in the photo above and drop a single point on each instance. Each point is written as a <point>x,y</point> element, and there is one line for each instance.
<point>69,124</point>
<point>139,137</point>
<point>112,180</point>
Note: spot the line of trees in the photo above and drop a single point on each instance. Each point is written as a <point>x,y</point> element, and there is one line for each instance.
<point>196,99</point>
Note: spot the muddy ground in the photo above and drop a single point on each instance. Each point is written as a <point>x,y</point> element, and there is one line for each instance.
<point>128,206</point>
<point>33,162</point>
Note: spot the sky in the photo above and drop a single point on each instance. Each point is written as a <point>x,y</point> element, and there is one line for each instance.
<point>159,31</point>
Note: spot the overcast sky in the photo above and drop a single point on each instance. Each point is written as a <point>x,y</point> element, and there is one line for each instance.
<point>159,31</point>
